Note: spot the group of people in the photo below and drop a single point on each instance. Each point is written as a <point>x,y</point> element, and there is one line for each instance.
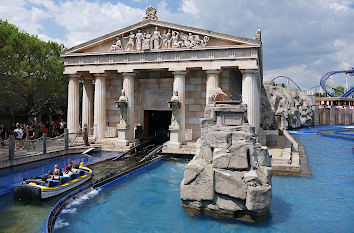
<point>56,173</point>
<point>31,131</point>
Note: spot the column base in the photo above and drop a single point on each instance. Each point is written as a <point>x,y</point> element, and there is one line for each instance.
<point>175,139</point>
<point>122,137</point>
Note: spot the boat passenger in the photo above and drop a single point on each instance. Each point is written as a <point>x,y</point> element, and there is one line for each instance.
<point>55,175</point>
<point>75,168</point>
<point>67,169</point>
<point>46,177</point>
<point>56,168</point>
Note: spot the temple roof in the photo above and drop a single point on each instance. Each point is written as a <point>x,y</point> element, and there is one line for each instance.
<point>101,44</point>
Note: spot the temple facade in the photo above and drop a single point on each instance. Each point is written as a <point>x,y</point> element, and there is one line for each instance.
<point>155,75</point>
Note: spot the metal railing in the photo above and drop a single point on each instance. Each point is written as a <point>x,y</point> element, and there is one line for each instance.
<point>12,148</point>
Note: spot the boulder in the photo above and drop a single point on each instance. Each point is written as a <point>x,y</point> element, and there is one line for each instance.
<point>259,198</point>
<point>230,183</point>
<point>201,188</point>
<point>218,139</point>
<point>193,169</point>
<point>230,204</point>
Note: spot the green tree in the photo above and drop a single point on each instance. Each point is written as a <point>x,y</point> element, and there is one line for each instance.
<point>30,68</point>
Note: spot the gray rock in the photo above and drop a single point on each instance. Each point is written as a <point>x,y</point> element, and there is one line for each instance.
<point>230,183</point>
<point>219,139</point>
<point>230,204</point>
<point>265,174</point>
<point>202,188</point>
<point>259,198</point>
<point>203,152</point>
<point>264,159</point>
<point>193,169</point>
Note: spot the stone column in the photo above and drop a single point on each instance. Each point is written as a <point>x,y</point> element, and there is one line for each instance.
<point>316,115</point>
<point>346,116</point>
<point>100,106</point>
<point>126,133</point>
<point>212,82</point>
<point>250,96</point>
<point>332,112</point>
<point>87,104</point>
<point>177,136</point>
<point>73,104</point>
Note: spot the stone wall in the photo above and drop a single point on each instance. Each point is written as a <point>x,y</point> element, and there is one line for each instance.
<point>291,107</point>
<point>113,88</point>
<point>231,174</point>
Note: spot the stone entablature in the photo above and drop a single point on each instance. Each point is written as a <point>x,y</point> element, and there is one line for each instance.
<point>162,56</point>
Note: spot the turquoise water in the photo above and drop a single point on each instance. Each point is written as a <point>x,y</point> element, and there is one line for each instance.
<point>17,216</point>
<point>149,202</point>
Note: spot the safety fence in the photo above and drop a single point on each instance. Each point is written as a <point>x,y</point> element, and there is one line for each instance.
<point>11,148</point>
<point>100,183</point>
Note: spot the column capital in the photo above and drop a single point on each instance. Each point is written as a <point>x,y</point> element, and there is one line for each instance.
<point>74,75</point>
<point>179,72</point>
<point>249,71</point>
<point>213,71</point>
<point>129,74</point>
<point>101,75</point>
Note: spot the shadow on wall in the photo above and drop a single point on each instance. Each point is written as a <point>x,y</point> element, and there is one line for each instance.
<point>268,121</point>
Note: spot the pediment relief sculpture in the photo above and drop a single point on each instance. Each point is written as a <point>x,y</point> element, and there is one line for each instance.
<point>157,38</point>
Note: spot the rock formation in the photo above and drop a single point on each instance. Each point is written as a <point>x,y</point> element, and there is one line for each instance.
<point>231,174</point>
<point>292,106</point>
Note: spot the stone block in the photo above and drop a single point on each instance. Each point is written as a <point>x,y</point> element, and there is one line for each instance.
<point>193,169</point>
<point>190,100</point>
<point>195,80</point>
<point>229,204</point>
<point>264,159</point>
<point>202,187</point>
<point>194,120</point>
<point>218,139</point>
<point>195,108</point>
<point>259,198</point>
<point>230,183</point>
<point>190,87</point>
<point>265,174</point>
<point>239,157</point>
<point>221,158</point>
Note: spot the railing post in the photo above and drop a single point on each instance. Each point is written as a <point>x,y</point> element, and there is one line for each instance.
<point>44,143</point>
<point>66,138</point>
<point>86,135</point>
<point>11,147</point>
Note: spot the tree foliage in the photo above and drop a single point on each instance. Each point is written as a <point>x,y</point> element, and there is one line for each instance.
<point>30,68</point>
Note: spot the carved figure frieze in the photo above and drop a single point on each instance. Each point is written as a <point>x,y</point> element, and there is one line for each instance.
<point>154,39</point>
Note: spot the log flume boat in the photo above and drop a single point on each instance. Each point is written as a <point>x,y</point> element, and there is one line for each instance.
<point>36,188</point>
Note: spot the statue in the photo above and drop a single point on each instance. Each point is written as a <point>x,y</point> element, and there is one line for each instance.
<point>130,42</point>
<point>166,42</point>
<point>175,96</point>
<point>175,40</point>
<point>258,35</point>
<point>175,104</point>
<point>139,37</point>
<point>62,47</point>
<point>147,41</point>
<point>117,46</point>
<point>150,13</point>
<point>123,97</point>
<point>156,38</point>
<point>122,104</point>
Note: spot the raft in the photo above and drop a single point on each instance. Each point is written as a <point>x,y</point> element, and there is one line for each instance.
<point>39,189</point>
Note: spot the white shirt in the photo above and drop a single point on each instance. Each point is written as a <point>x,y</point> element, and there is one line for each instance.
<point>19,133</point>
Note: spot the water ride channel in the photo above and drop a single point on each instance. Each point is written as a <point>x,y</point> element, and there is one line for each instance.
<point>148,200</point>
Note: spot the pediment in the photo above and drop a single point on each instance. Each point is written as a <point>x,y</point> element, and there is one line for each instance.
<point>154,35</point>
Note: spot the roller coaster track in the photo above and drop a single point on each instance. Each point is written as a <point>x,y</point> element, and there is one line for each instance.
<point>327,75</point>
<point>287,79</point>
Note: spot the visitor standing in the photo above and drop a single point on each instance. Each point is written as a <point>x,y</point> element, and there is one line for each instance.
<point>18,133</point>
<point>31,133</point>
<point>62,126</point>
<point>3,134</point>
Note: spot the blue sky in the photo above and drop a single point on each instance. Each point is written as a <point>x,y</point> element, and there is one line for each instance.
<point>302,39</point>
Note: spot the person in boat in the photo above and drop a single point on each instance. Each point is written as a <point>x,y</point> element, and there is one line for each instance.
<point>75,168</point>
<point>56,168</point>
<point>68,168</point>
<point>55,175</point>
<point>46,177</point>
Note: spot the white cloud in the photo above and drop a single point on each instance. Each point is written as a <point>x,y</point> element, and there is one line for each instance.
<point>300,40</point>
<point>189,7</point>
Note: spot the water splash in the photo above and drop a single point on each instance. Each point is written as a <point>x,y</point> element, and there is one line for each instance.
<point>60,223</point>
<point>83,198</point>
